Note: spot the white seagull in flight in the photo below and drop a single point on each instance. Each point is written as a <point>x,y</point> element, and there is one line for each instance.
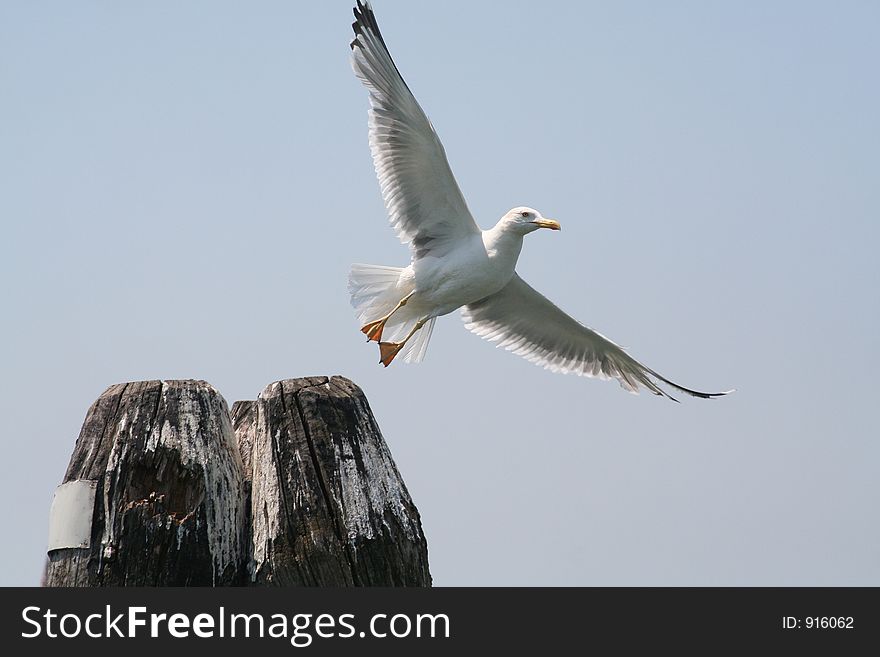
<point>454,263</point>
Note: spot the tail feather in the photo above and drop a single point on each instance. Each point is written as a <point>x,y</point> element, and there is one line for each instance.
<point>373,290</point>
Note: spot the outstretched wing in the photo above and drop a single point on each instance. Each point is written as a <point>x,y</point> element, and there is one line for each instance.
<point>523,321</point>
<point>426,206</point>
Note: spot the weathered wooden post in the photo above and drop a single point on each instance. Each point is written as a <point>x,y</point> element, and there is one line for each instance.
<point>328,506</point>
<point>161,490</point>
<point>153,495</point>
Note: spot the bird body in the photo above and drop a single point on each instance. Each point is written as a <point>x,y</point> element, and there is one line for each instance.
<point>438,286</point>
<point>474,267</point>
<point>453,263</point>
<point>480,265</point>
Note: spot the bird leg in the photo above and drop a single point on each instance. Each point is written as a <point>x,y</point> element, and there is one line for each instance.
<point>388,350</point>
<point>373,330</point>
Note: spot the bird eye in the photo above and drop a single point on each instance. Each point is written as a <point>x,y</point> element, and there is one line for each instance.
<point>526,215</point>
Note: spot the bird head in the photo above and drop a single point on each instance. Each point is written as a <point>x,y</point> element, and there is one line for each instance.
<point>524,220</point>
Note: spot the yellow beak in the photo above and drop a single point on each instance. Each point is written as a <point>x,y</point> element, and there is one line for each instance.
<point>552,224</point>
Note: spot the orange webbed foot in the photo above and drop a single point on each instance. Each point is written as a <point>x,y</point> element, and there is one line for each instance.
<point>373,330</point>
<point>388,350</point>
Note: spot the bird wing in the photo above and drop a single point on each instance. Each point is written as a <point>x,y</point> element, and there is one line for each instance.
<point>426,206</point>
<point>522,320</point>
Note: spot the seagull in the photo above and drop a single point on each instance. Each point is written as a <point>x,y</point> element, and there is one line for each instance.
<point>454,264</point>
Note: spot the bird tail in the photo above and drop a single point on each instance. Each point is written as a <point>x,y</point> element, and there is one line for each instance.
<point>375,290</point>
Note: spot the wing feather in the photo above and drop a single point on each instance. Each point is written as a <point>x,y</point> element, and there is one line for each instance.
<point>520,319</point>
<point>426,207</point>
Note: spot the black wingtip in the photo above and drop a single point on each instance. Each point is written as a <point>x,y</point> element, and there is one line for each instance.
<point>697,393</point>
<point>364,18</point>
<point>357,25</point>
<point>356,28</point>
<point>692,393</point>
<point>365,21</point>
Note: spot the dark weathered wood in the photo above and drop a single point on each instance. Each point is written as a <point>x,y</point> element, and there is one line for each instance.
<point>306,493</point>
<point>329,507</point>
<point>244,415</point>
<point>169,506</point>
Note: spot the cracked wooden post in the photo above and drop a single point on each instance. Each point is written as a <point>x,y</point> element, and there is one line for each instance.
<point>328,506</point>
<point>153,494</point>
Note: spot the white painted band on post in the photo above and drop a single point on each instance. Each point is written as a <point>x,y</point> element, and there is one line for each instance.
<point>70,519</point>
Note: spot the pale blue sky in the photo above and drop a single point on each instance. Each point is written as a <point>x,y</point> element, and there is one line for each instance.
<point>184,185</point>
